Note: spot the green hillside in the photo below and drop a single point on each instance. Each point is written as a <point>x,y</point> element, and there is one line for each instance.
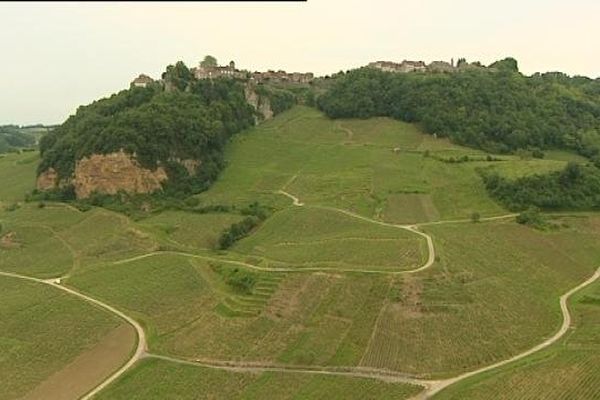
<point>380,263</point>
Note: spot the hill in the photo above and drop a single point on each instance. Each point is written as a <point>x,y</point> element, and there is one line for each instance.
<point>496,109</point>
<point>167,135</point>
<point>364,277</point>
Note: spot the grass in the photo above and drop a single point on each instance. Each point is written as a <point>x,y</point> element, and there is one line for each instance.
<point>471,309</point>
<point>54,240</point>
<point>17,174</point>
<point>156,379</point>
<point>41,331</point>
<point>189,230</point>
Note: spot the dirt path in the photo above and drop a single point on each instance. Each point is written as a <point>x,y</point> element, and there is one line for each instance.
<point>141,336</point>
<point>348,132</point>
<point>241,366</point>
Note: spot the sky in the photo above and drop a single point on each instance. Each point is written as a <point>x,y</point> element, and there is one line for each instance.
<point>57,56</point>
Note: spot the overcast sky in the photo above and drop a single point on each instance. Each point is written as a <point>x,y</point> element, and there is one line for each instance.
<point>55,57</point>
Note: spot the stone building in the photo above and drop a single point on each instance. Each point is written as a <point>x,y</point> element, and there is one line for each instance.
<point>282,77</point>
<point>142,81</point>
<point>441,66</point>
<point>403,67</point>
<point>413,66</point>
<point>228,71</point>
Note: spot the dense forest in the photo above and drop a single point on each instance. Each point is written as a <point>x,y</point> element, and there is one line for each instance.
<point>576,187</point>
<point>496,109</point>
<point>181,118</point>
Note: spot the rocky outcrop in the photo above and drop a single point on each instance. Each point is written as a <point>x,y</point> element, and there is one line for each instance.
<point>115,172</point>
<point>261,104</point>
<point>112,173</point>
<point>191,166</point>
<point>47,180</point>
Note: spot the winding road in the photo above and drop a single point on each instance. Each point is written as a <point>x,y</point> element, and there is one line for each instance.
<point>431,387</point>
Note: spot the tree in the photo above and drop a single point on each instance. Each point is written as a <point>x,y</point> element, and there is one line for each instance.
<point>178,75</point>
<point>508,64</point>
<point>208,62</point>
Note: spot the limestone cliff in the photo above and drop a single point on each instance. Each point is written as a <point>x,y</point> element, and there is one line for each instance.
<point>261,104</point>
<point>48,180</point>
<point>110,174</point>
<point>114,172</point>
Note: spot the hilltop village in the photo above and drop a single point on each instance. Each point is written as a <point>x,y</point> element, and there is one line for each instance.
<point>203,71</point>
<point>212,71</point>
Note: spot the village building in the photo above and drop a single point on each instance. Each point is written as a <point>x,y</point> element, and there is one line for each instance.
<point>142,81</point>
<point>412,66</point>
<point>282,77</point>
<point>403,67</point>
<point>228,71</point>
<point>441,66</point>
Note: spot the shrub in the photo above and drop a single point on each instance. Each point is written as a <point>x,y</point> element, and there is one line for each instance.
<point>241,281</point>
<point>237,231</point>
<point>531,217</point>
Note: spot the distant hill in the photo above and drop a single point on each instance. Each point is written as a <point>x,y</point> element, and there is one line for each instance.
<point>15,138</point>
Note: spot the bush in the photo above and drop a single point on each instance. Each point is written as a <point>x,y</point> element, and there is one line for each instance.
<point>531,217</point>
<point>475,217</point>
<point>241,281</point>
<point>237,231</point>
<point>576,187</point>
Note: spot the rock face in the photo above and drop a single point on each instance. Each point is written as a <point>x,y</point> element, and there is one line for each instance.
<point>110,174</point>
<point>47,179</point>
<point>260,103</point>
<point>114,172</point>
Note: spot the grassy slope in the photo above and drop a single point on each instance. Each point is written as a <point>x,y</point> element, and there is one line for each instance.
<point>319,161</point>
<point>17,174</point>
<point>289,318</point>
<point>494,293</point>
<point>316,237</point>
<point>474,307</point>
<point>41,331</point>
<point>51,241</point>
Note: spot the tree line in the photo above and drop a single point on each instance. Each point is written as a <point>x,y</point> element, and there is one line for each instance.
<point>576,187</point>
<point>496,109</point>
